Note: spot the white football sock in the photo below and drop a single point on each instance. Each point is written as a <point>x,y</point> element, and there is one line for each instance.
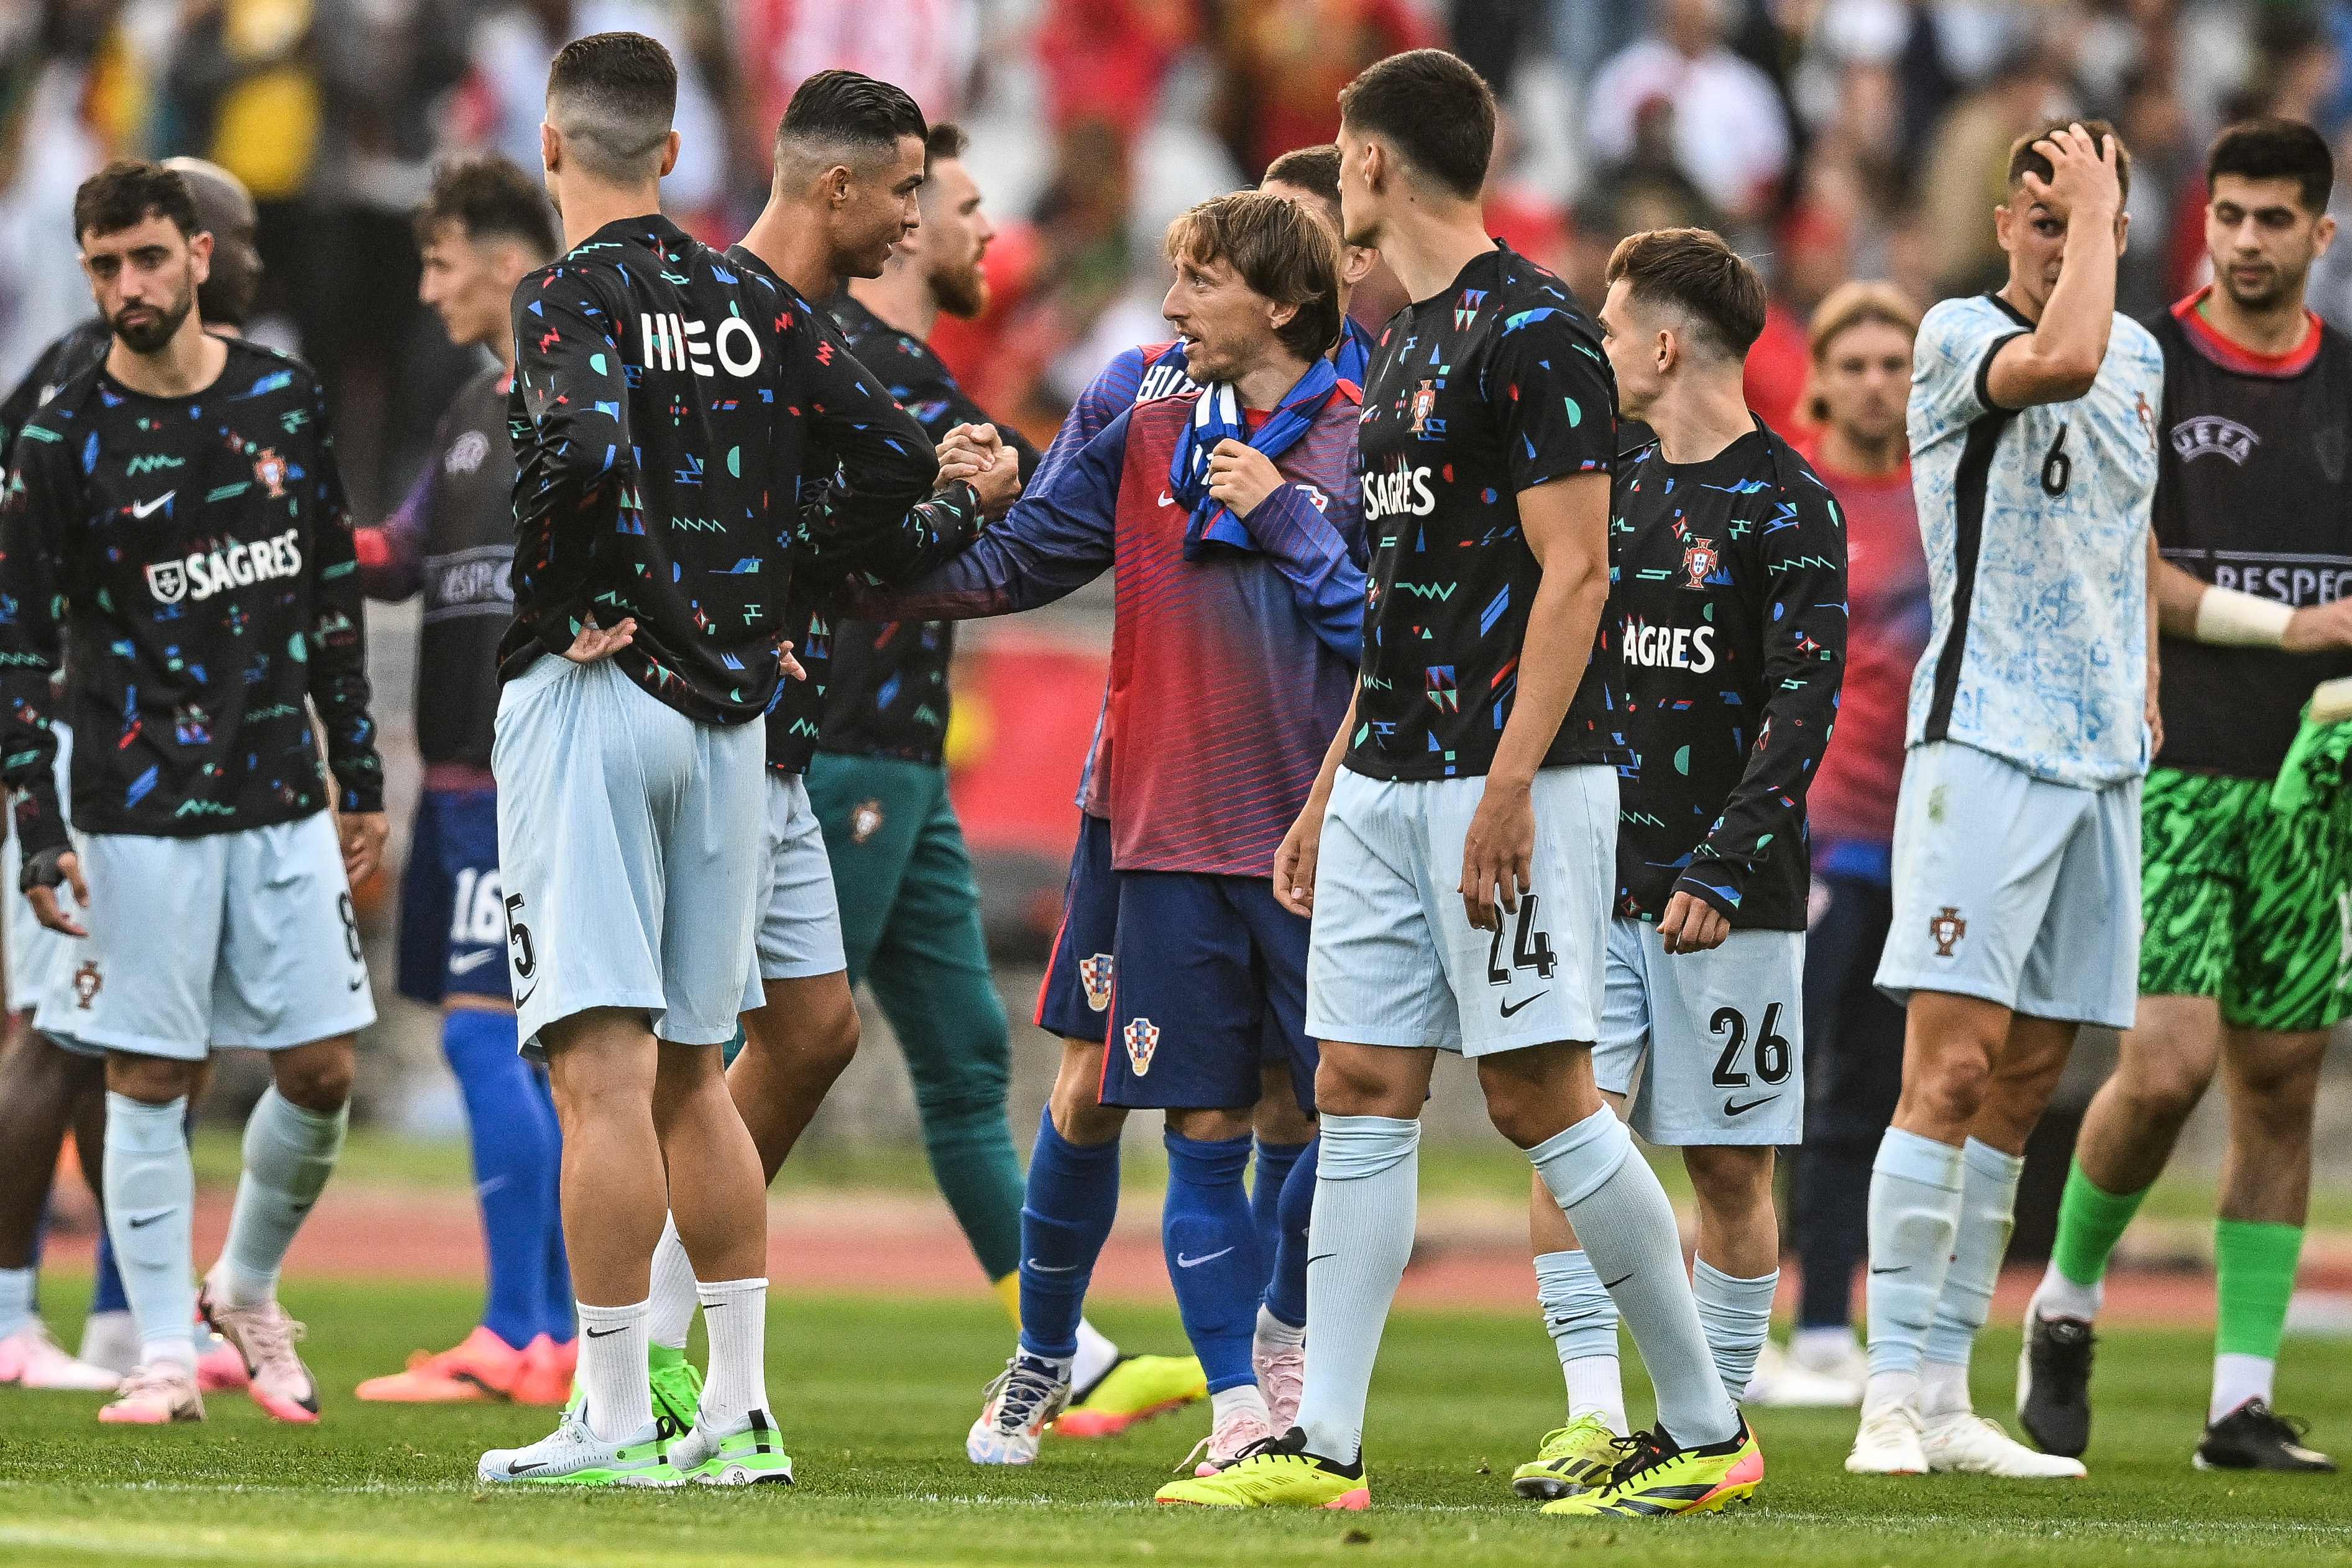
<point>289,1153</point>
<point>1366,1193</point>
<point>1627,1227</point>
<point>1273,1331</point>
<point>735,1316</point>
<point>1943,1389</point>
<point>670,1303</point>
<point>1097,1355</point>
<point>618,1398</point>
<point>150,1194</point>
<point>2238,1377</point>
<point>1822,1349</point>
<point>2059,1296</point>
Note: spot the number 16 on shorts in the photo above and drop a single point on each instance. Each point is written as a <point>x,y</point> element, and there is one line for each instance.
<point>1711,1046</point>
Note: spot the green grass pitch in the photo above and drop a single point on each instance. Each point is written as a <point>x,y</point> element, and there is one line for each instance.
<point>874,1397</point>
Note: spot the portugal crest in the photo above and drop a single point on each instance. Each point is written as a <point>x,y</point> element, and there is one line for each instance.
<point>1700,559</point>
<point>864,822</point>
<point>87,983</point>
<point>1142,1036</point>
<point>1945,928</point>
<point>1095,975</point>
<point>270,469</point>
<point>1424,400</point>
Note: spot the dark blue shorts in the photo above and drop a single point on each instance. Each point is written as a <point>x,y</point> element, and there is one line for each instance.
<point>1075,1000</point>
<point>1212,986</point>
<point>453,928</point>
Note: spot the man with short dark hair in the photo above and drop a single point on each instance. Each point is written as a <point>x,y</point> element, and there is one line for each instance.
<point>1229,516</point>
<point>666,400</point>
<point>223,599</point>
<point>1456,849</point>
<point>1728,556</point>
<point>47,1079</point>
<point>483,226</point>
<point>2246,859</point>
<point>2033,446</point>
<point>849,159</point>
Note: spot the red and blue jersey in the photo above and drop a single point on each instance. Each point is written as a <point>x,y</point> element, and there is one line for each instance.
<point>1230,674</point>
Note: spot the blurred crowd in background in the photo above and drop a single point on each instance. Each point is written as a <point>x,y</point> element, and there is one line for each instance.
<point>1832,138</point>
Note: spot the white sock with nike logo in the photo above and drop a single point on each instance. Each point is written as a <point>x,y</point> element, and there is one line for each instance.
<point>735,1316</point>
<point>618,1398</point>
<point>151,1196</point>
<point>288,1153</point>
<point>1980,1240</point>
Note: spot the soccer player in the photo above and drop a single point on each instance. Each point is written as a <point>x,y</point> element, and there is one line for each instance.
<point>484,225</point>
<point>850,157</point>
<point>222,597</point>
<point>1728,561</point>
<point>1234,535</point>
<point>2243,868</point>
<point>666,400</point>
<point>48,1077</point>
<point>909,908</point>
<point>2032,422</point>
<point>1075,999</point>
<point>1457,852</point>
<point>1860,342</point>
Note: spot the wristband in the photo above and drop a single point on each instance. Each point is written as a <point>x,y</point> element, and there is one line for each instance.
<point>41,868</point>
<point>2233,620</point>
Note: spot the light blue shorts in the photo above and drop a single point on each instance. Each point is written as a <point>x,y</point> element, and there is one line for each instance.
<point>631,843</point>
<point>1393,959</point>
<point>39,958</point>
<point>231,939</point>
<point>1714,1042</point>
<point>2015,889</point>
<point>799,918</point>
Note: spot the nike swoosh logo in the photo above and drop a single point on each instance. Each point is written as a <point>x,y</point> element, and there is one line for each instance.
<point>1510,1008</point>
<point>1320,1257</point>
<point>1053,1267</point>
<point>526,996</point>
<point>140,1222</point>
<point>1614,1284</point>
<point>355,985</point>
<point>1734,1108</point>
<point>148,509</point>
<point>1897,1268</point>
<point>1184,1262</point>
<point>516,1469</point>
<point>466,963</point>
<point>602,1333</point>
<point>1166,499</point>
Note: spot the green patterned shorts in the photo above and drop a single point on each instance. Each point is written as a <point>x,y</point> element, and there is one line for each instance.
<point>2243,888</point>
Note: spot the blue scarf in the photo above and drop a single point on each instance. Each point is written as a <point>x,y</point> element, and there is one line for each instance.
<point>1354,359</point>
<point>1217,416</point>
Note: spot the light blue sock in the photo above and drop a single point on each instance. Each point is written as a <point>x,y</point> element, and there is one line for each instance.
<point>288,1153</point>
<point>1737,1314</point>
<point>1582,1321</point>
<point>1915,1211</point>
<point>1212,1253</point>
<point>1988,1215</point>
<point>1622,1216</point>
<point>1368,1174</point>
<point>16,1299</point>
<point>151,1196</point>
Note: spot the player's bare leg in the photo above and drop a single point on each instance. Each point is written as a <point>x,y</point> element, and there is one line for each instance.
<point>793,1049</point>
<point>45,1087</point>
